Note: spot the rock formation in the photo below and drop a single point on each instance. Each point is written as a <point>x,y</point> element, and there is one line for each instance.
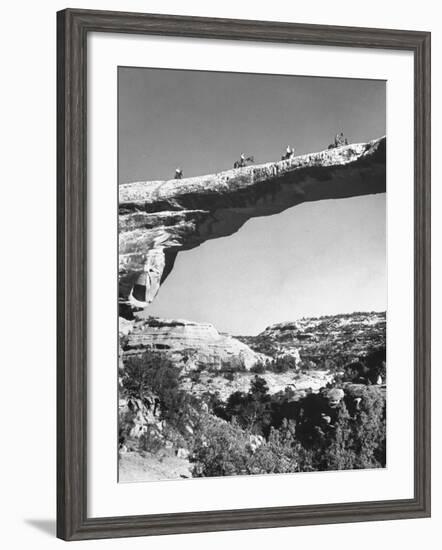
<point>189,345</point>
<point>136,417</point>
<point>157,219</point>
<point>352,334</point>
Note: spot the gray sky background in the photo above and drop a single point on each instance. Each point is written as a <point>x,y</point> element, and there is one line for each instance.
<point>313,259</point>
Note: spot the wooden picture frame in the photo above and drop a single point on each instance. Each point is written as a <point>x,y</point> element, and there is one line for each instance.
<point>73,27</point>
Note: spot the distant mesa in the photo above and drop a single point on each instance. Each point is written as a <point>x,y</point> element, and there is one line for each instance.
<point>158,219</point>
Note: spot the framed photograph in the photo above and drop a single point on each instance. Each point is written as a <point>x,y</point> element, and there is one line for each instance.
<point>243,274</point>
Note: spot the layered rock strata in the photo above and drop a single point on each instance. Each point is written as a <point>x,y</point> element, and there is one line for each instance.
<point>190,345</point>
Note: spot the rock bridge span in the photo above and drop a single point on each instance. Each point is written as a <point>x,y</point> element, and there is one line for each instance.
<point>158,219</point>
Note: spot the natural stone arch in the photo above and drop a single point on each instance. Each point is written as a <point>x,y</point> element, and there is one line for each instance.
<point>157,219</point>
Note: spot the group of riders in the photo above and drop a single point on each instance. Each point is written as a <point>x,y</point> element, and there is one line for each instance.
<point>289,153</point>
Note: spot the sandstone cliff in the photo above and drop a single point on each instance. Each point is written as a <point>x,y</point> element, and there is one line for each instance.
<point>189,345</point>
<point>157,219</point>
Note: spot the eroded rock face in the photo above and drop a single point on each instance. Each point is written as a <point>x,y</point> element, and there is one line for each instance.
<point>157,219</point>
<point>136,417</point>
<point>189,345</point>
<point>353,335</point>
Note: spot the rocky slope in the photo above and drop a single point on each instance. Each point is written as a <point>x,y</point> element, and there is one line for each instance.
<point>324,342</point>
<point>300,383</point>
<point>157,219</point>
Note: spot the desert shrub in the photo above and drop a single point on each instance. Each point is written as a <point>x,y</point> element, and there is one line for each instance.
<point>282,453</point>
<point>151,441</point>
<point>251,410</point>
<point>152,373</point>
<point>149,373</point>
<point>366,370</point>
<point>356,372</point>
<point>283,363</point>
<point>305,365</point>
<point>259,389</point>
<point>259,368</point>
<point>376,362</point>
<point>220,449</point>
<point>233,364</point>
<point>350,441</point>
<point>211,400</point>
<point>368,427</point>
<point>174,437</point>
<point>223,449</point>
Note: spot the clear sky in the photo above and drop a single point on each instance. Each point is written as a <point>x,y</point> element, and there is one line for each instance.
<point>313,259</point>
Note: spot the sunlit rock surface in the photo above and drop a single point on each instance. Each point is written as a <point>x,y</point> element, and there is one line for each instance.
<point>189,345</point>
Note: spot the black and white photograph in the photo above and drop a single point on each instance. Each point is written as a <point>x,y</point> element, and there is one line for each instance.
<point>220,248</point>
<point>252,274</point>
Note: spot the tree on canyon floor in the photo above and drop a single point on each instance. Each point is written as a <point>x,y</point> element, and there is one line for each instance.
<point>304,434</point>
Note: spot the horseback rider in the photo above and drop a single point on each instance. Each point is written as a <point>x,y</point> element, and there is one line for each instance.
<point>178,174</point>
<point>243,160</point>
<point>340,140</point>
<point>289,153</point>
